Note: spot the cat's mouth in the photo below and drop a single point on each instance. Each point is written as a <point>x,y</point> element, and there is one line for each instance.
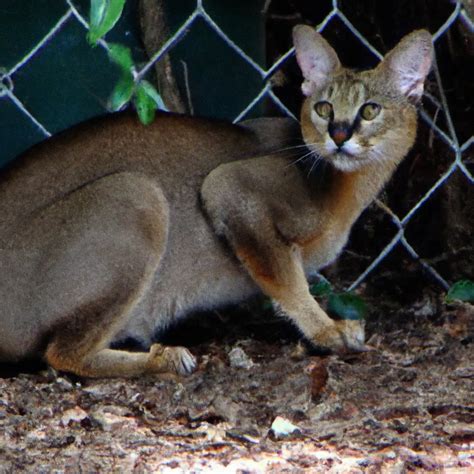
<point>350,150</point>
<point>342,158</point>
<point>342,152</point>
<point>346,158</point>
<point>345,161</point>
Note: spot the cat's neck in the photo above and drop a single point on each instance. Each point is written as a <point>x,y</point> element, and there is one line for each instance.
<point>337,198</point>
<point>347,194</point>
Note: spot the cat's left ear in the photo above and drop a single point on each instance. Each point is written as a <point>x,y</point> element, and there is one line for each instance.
<point>407,65</point>
<point>316,58</point>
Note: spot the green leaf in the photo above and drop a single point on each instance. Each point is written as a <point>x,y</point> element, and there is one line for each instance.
<point>122,56</point>
<point>146,106</point>
<point>153,94</point>
<point>96,13</point>
<point>122,92</point>
<point>347,306</point>
<point>322,288</point>
<point>104,14</point>
<point>462,290</point>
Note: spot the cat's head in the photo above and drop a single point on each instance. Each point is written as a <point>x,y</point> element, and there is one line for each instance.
<point>351,118</point>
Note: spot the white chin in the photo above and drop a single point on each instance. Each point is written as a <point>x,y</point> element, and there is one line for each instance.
<point>346,163</point>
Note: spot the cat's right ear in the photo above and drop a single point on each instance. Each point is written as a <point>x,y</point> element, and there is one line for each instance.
<point>406,66</point>
<point>316,58</point>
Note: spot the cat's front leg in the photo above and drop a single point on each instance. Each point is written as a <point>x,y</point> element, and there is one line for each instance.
<point>276,266</point>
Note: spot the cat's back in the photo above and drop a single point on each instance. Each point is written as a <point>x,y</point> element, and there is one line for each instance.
<point>173,147</point>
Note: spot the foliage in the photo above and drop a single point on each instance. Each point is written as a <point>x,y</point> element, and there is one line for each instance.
<point>462,290</point>
<point>146,101</point>
<point>124,88</point>
<point>104,14</point>
<point>322,288</point>
<point>345,305</point>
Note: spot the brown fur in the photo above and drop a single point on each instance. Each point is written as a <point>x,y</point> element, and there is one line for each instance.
<point>114,230</point>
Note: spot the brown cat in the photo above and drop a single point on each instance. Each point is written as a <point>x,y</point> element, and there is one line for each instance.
<point>114,230</point>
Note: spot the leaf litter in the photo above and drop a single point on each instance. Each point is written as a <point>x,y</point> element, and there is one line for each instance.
<point>408,405</point>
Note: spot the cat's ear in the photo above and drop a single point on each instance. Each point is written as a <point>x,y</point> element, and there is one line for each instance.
<point>406,66</point>
<point>317,60</point>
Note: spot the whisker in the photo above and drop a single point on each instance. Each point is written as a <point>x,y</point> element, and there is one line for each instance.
<point>292,147</point>
<point>318,158</point>
<point>301,158</point>
<point>298,155</point>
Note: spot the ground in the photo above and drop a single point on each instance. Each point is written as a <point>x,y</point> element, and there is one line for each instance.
<point>405,406</point>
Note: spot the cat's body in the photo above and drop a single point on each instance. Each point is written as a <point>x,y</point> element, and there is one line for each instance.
<point>32,225</point>
<point>114,230</point>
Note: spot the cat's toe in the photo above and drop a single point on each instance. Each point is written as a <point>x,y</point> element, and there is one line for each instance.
<point>353,333</point>
<point>341,337</point>
<point>176,360</point>
<point>329,338</point>
<point>187,363</point>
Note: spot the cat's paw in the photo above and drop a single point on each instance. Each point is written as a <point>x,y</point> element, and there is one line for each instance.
<point>353,333</point>
<point>330,338</point>
<point>341,337</point>
<point>176,360</point>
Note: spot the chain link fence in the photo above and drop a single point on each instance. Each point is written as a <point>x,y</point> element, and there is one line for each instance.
<point>449,136</point>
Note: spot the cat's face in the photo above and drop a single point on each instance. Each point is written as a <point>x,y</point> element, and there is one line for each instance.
<point>350,122</point>
<point>353,119</point>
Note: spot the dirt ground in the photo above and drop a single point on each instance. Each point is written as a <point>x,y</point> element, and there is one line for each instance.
<point>408,405</point>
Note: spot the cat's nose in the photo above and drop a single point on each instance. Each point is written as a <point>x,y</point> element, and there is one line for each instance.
<point>339,133</point>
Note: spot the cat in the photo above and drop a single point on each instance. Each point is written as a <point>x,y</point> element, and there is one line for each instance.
<point>113,230</point>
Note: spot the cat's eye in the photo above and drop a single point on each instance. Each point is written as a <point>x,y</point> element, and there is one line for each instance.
<point>370,110</point>
<point>323,109</point>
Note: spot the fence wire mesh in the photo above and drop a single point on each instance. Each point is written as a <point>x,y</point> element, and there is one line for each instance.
<point>449,137</point>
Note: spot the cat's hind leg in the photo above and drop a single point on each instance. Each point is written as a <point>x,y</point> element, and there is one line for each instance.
<point>101,247</point>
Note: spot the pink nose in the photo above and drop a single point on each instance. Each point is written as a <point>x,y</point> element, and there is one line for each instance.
<point>340,132</point>
<point>340,136</point>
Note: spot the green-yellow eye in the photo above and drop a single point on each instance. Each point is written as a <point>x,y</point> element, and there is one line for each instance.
<point>323,109</point>
<point>370,110</point>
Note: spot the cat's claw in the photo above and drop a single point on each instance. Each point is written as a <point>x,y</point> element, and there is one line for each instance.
<point>176,360</point>
<point>187,362</point>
